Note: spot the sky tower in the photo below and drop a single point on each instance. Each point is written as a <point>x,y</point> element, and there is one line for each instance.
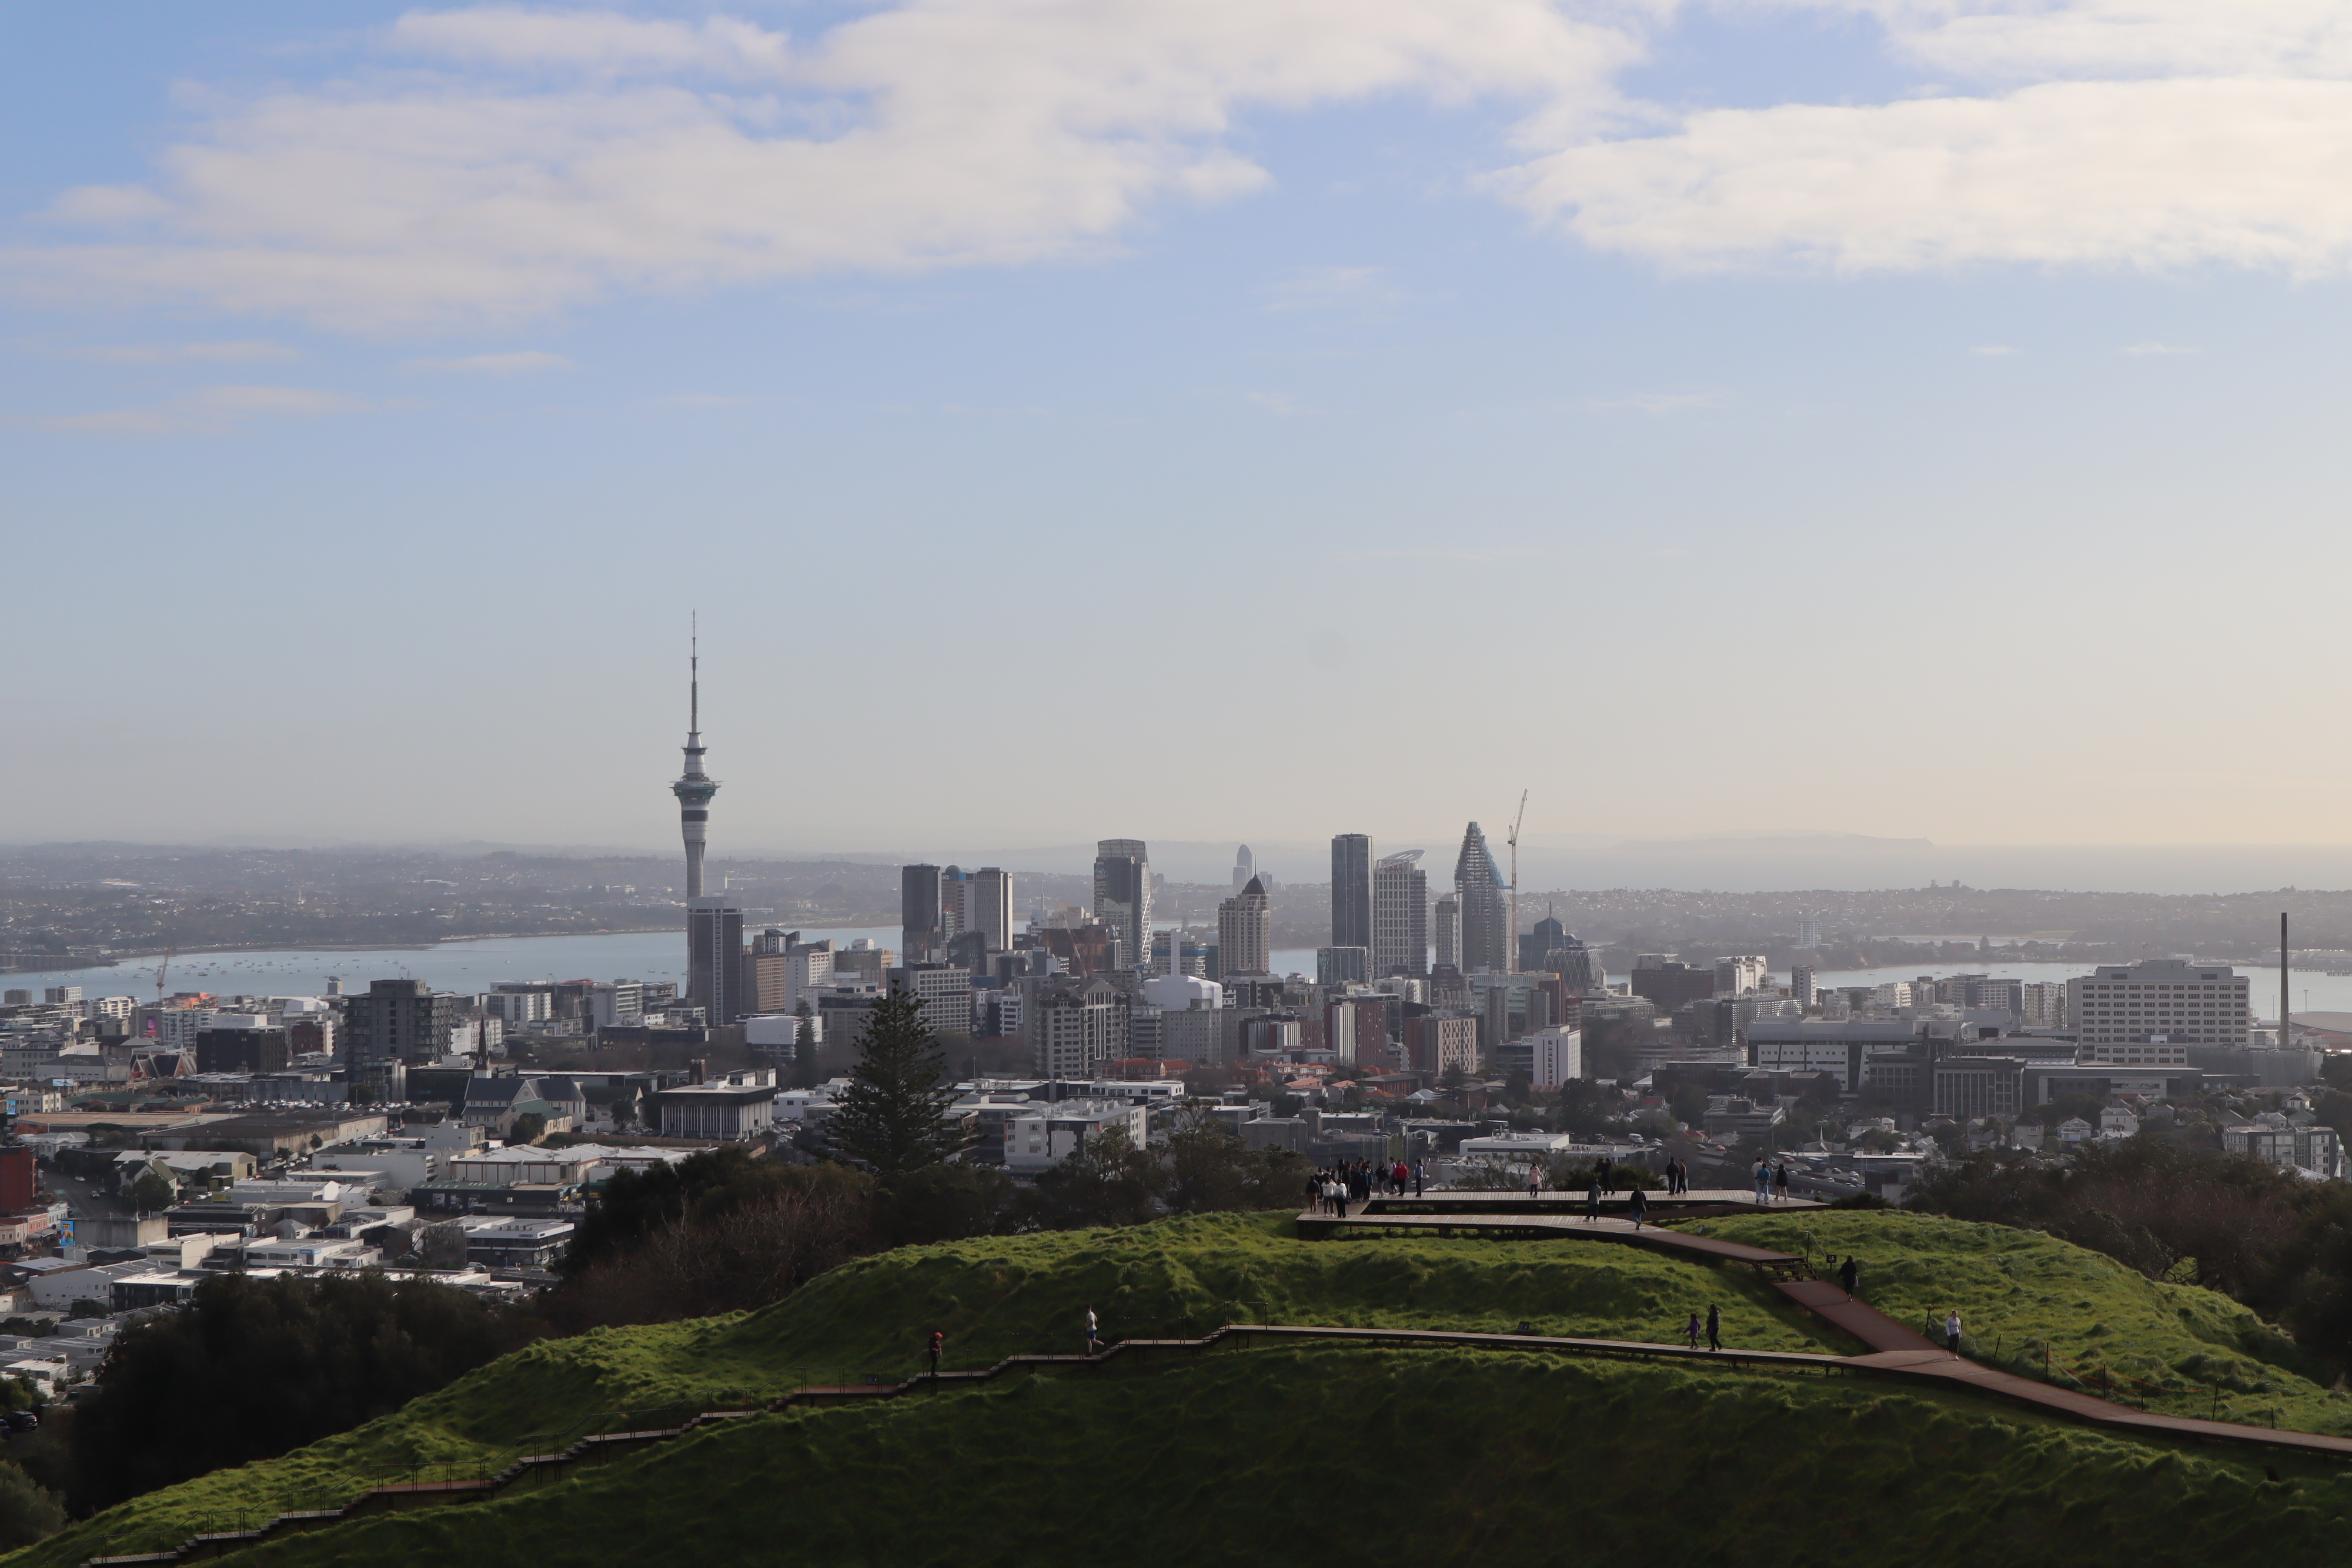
<point>695,789</point>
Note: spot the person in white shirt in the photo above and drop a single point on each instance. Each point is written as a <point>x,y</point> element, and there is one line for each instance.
<point>1952,1334</point>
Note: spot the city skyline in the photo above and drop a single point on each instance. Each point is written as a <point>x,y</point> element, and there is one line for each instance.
<point>1363,316</point>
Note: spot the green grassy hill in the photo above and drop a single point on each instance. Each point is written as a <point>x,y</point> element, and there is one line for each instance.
<point>1305,1451</point>
<point>2016,1289</point>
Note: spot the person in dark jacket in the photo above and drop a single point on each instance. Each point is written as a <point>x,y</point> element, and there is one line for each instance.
<point>1714,1327</point>
<point>1850,1275</point>
<point>1637,1206</point>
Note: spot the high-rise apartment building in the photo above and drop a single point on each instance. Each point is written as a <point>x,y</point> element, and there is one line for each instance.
<point>1801,984</point>
<point>1400,916</point>
<point>1447,928</point>
<point>1123,897</point>
<point>2157,1002</point>
<point>943,990</point>
<point>1076,1027</point>
<point>714,958</point>
<point>1809,932</point>
<point>1738,976</point>
<point>922,930</point>
<point>1245,932</point>
<point>1352,890</point>
<point>2045,1005</point>
<point>1485,906</point>
<point>392,1024</point>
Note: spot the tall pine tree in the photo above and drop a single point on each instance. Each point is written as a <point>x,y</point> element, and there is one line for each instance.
<point>893,1115</point>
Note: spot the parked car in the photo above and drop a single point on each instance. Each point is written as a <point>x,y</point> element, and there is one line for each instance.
<point>20,1420</point>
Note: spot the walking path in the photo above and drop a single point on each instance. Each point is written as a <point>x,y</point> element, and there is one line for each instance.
<point>1894,1349</point>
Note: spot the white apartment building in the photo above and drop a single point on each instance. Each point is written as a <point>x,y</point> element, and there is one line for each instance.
<point>1737,977</point>
<point>1558,1056</point>
<point>1048,1134</point>
<point>2045,1005</point>
<point>2148,1014</point>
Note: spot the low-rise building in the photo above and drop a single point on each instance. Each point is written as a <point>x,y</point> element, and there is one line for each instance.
<point>732,1108</point>
<point>1047,1134</point>
<point>508,1242</point>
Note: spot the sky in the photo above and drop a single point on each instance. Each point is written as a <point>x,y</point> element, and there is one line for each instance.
<point>1189,419</point>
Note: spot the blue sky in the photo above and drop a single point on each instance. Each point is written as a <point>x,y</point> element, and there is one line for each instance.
<point>1183,419</point>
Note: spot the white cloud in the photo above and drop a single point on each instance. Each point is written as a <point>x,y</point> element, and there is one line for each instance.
<point>2160,174</point>
<point>508,364</point>
<point>206,410</point>
<point>500,163</point>
<point>545,158</point>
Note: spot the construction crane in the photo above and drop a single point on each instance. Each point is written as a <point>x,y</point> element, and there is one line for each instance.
<point>161,970</point>
<point>1511,952</point>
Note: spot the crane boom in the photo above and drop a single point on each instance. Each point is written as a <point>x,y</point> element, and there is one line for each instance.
<point>1511,949</point>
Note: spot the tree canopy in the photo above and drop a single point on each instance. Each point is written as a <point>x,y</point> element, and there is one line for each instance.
<point>893,1116</point>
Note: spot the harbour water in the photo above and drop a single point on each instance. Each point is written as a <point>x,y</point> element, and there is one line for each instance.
<point>464,966</point>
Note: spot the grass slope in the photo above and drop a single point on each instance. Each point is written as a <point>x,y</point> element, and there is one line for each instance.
<point>1354,1455</point>
<point>2016,1289</point>
<point>993,1297</point>
<point>999,1296</point>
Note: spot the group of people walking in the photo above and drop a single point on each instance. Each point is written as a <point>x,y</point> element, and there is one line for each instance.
<point>1332,1188</point>
<point>1771,1182</point>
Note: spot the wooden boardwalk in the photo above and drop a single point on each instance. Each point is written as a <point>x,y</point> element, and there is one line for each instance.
<point>1892,1349</point>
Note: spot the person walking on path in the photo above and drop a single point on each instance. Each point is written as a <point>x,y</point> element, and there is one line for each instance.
<point>1691,1329</point>
<point>1535,1182</point>
<point>1593,1199</point>
<point>1850,1275</point>
<point>1763,1182</point>
<point>1416,1178</point>
<point>1637,1206</point>
<point>1780,1181</point>
<point>1714,1327</point>
<point>938,1343</point>
<point>1608,1172</point>
<point>1952,1334</point>
<point>1314,1192</point>
<point>1094,1334</point>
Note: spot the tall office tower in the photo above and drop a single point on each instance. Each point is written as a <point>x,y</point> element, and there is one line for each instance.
<point>1245,932</point>
<point>922,930</point>
<point>1245,867</point>
<point>1809,932</point>
<point>389,1025</point>
<point>695,787</point>
<point>1485,906</point>
<point>955,902</point>
<point>1352,889</point>
<point>1338,965</point>
<point>989,908</point>
<point>1399,916</point>
<point>714,958</point>
<point>1449,933</point>
<point>1123,897</point>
